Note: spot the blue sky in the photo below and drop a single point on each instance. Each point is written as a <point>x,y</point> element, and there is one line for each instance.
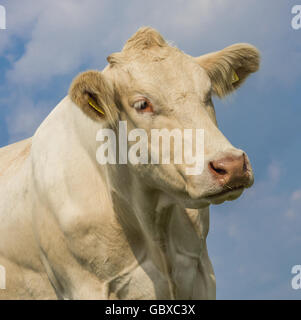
<point>254,241</point>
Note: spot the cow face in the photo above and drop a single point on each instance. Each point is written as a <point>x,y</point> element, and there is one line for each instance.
<point>152,85</point>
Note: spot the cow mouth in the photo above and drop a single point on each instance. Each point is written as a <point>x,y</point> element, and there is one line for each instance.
<point>226,194</point>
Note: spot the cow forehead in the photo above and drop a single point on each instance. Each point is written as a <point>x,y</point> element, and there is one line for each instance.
<point>174,70</point>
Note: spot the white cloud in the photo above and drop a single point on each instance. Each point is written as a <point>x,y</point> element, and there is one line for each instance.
<point>256,236</point>
<point>66,34</point>
<point>294,206</point>
<point>26,118</point>
<point>296,195</point>
<point>63,35</point>
<point>20,20</point>
<point>274,172</point>
<point>290,214</point>
<point>232,230</point>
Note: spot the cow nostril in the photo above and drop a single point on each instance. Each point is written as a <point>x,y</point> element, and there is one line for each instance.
<point>245,168</point>
<point>231,171</point>
<point>219,171</point>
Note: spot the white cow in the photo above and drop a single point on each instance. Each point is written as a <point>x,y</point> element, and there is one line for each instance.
<point>71,228</point>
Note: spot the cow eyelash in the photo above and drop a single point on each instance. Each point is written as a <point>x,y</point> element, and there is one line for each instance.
<point>143,105</point>
<point>140,105</point>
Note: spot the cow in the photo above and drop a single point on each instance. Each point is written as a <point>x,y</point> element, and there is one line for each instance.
<point>72,228</point>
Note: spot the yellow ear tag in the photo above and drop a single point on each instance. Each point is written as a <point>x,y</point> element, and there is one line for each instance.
<point>92,104</point>
<point>235,77</point>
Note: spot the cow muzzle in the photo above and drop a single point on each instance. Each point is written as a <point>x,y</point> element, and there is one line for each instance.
<point>232,174</point>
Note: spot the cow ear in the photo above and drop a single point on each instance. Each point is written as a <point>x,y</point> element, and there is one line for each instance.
<point>94,95</point>
<point>229,67</point>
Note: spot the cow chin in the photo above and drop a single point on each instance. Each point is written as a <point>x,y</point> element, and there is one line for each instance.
<point>193,192</point>
<point>218,198</point>
<point>223,196</point>
<point>197,198</point>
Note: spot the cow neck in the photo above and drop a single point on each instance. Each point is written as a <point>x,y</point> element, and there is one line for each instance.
<point>144,215</point>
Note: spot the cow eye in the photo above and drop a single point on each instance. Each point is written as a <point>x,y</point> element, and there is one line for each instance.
<point>143,105</point>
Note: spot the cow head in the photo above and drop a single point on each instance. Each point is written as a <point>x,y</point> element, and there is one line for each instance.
<point>153,85</point>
